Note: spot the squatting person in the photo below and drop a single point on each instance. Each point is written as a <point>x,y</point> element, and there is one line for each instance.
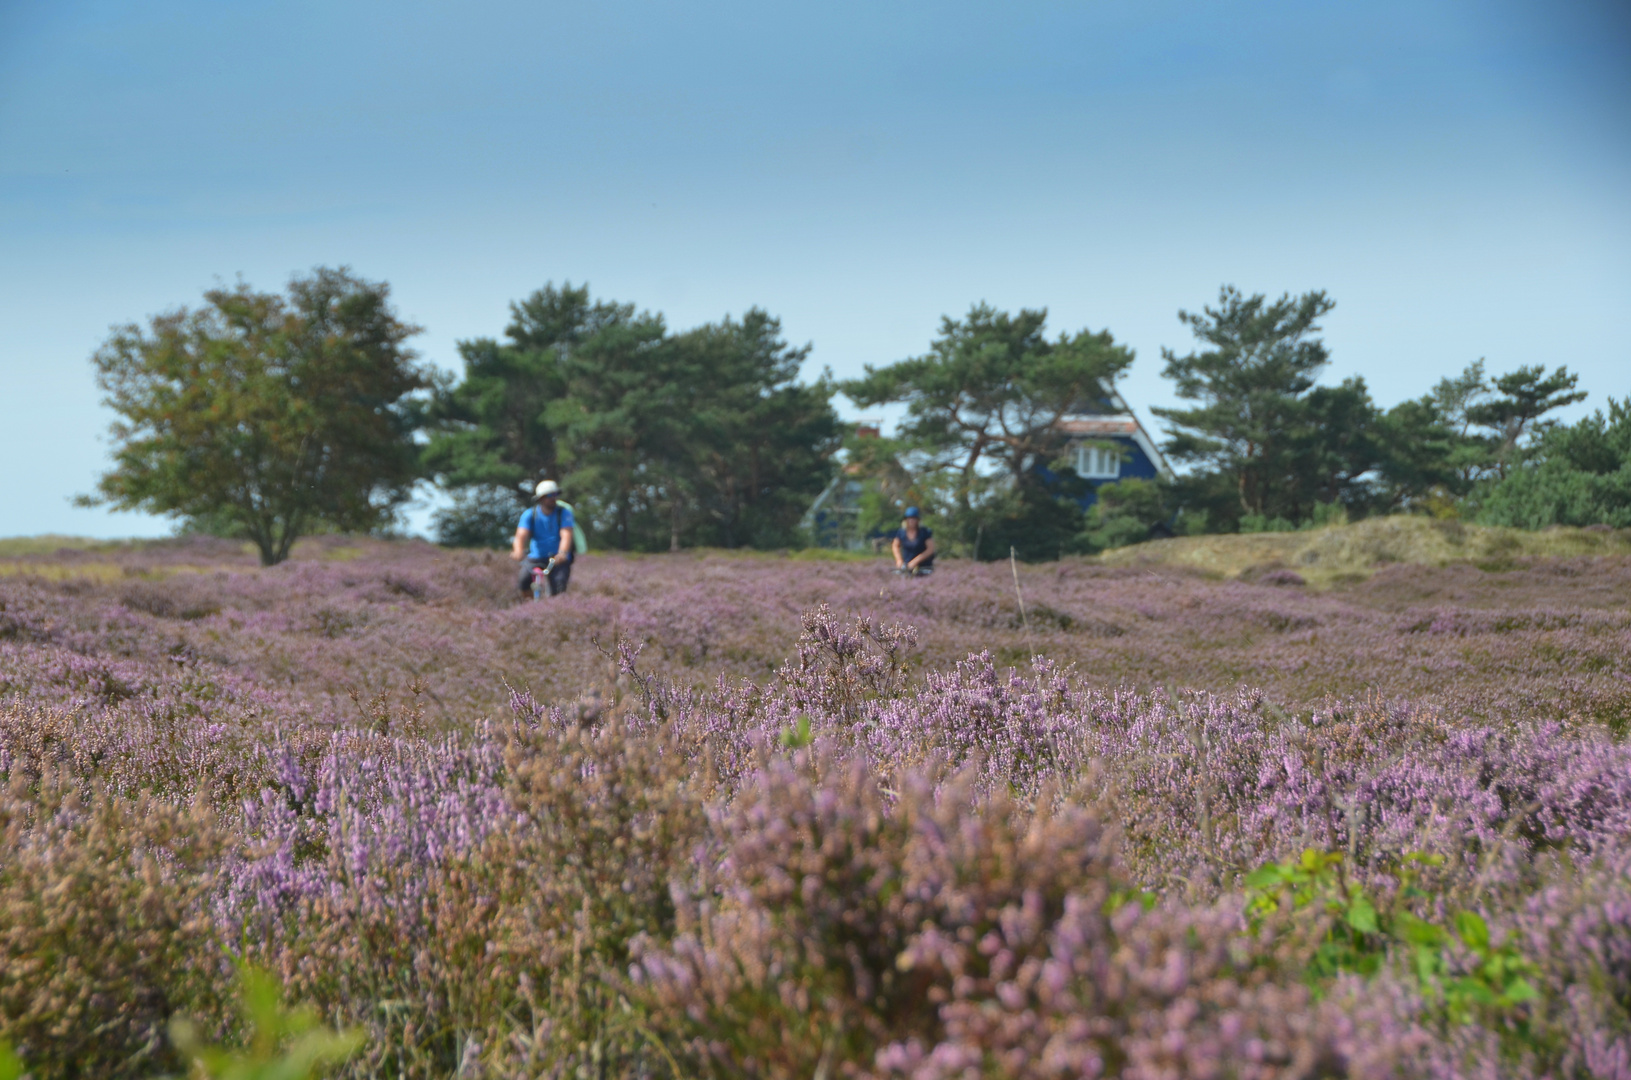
<point>545,530</point>
<point>913,545</point>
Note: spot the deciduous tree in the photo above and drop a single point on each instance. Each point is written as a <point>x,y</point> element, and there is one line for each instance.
<point>265,416</point>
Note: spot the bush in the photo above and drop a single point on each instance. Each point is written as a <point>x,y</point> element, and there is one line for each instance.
<point>1258,523</point>
<point>1576,475</point>
<point>948,935</point>
<point>838,846</point>
<point>1031,519</point>
<point>1127,512</point>
<point>106,929</point>
<point>480,517</point>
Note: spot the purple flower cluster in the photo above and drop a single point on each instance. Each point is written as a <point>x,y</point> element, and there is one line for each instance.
<point>742,815</point>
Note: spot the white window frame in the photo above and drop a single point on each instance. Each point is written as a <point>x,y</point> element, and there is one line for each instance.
<point>1097,462</point>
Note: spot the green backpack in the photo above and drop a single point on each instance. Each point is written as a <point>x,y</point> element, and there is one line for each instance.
<point>580,542</point>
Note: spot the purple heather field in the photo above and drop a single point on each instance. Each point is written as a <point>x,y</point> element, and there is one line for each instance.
<point>716,814</point>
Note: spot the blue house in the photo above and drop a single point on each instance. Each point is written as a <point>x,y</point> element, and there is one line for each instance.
<point>1109,444</point>
<point>1106,444</point>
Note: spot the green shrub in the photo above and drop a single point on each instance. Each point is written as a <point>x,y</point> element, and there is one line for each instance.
<point>1259,523</point>
<point>480,517</point>
<point>284,1043</point>
<point>1575,475</point>
<point>1463,975</point>
<point>1126,512</point>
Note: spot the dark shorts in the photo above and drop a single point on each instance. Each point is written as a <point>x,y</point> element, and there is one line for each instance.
<point>557,579</point>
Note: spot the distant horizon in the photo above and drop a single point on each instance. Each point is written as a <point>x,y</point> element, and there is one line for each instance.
<point>1452,173</point>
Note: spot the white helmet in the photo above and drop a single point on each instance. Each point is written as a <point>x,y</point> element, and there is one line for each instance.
<point>546,487</point>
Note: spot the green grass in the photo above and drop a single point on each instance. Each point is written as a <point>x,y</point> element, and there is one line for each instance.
<point>98,571</point>
<point>21,547</point>
<point>1342,554</point>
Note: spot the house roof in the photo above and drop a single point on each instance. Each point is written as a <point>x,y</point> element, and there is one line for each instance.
<point>1113,419</point>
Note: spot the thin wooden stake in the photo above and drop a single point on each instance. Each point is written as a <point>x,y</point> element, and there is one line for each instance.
<point>1024,620</point>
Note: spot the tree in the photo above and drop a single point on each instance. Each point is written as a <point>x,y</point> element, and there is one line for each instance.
<point>1526,395</point>
<point>490,434</point>
<point>1433,451</point>
<point>757,445</point>
<point>664,439</point>
<point>614,422</point>
<point>988,398</point>
<point>1127,512</point>
<point>1420,456</point>
<point>1252,384</point>
<point>1452,401</point>
<point>701,437</point>
<point>1336,450</point>
<point>1576,475</point>
<point>888,485</point>
<point>478,517</point>
<point>266,416</point>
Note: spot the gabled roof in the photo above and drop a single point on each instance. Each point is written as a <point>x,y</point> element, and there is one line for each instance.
<point>1113,419</point>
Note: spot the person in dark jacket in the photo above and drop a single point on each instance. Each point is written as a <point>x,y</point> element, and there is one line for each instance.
<point>913,545</point>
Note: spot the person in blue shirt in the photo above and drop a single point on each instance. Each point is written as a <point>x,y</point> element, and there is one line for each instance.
<point>913,545</point>
<point>544,539</point>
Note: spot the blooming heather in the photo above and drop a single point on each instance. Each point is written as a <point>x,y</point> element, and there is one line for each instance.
<point>734,815</point>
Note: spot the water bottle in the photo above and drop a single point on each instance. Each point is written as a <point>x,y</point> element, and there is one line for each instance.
<point>539,577</point>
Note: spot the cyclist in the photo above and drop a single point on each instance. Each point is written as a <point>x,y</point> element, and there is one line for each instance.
<point>913,545</point>
<point>543,540</point>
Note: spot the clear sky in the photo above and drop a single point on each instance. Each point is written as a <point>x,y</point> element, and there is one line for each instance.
<point>1455,173</point>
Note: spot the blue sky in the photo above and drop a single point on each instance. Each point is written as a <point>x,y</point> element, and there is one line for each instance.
<point>1457,175</point>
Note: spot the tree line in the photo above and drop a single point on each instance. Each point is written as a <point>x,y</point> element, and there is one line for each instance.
<point>666,439</point>
<point>270,416</point>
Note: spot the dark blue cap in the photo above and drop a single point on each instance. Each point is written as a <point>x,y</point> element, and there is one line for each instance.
<point>911,511</point>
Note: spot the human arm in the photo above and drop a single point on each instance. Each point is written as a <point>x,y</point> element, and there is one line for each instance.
<point>927,553</point>
<point>567,523</point>
<point>518,547</point>
<point>894,546</point>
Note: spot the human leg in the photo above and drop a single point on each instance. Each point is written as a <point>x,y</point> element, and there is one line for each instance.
<point>524,581</point>
<point>558,578</point>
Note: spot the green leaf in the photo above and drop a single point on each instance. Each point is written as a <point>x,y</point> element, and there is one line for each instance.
<point>798,736</point>
<point>285,1044</point>
<point>1471,929</point>
<point>1265,877</point>
<point>1419,932</point>
<point>1520,990</point>
<point>1362,916</point>
<point>1427,963</point>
